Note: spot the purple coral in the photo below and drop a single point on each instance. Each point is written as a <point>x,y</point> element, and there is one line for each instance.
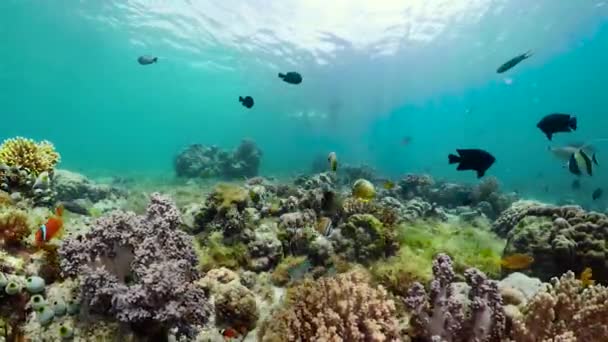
<point>445,315</point>
<point>139,268</point>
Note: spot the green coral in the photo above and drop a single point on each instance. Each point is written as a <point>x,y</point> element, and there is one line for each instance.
<point>467,245</point>
<point>227,195</point>
<point>214,253</point>
<point>369,237</point>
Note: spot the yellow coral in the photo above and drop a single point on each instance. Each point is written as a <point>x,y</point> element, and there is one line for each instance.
<point>228,195</point>
<point>29,155</point>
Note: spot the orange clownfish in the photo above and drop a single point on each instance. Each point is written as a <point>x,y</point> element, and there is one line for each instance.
<point>52,227</point>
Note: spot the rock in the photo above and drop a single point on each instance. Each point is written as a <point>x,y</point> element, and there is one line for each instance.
<point>72,186</point>
<point>265,250</point>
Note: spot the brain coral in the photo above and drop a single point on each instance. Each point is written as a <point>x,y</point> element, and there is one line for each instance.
<point>28,154</point>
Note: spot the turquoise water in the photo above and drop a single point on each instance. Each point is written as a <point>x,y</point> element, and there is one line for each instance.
<point>374,72</point>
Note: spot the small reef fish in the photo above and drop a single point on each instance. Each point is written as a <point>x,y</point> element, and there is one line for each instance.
<point>576,184</point>
<point>564,152</point>
<point>388,185</point>
<point>333,161</point>
<point>586,277</point>
<point>53,227</point>
<point>406,141</point>
<point>291,77</point>
<point>42,181</point>
<point>229,333</point>
<point>517,261</point>
<point>597,193</point>
<point>472,159</point>
<point>324,226</point>
<point>513,62</point>
<point>246,101</point>
<point>557,123</point>
<point>579,161</point>
<point>363,190</point>
<point>147,60</point>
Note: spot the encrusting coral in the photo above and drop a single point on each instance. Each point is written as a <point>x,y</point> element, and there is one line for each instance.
<point>139,269</point>
<point>29,155</point>
<point>341,308</point>
<point>567,311</point>
<point>445,314</point>
<point>560,239</point>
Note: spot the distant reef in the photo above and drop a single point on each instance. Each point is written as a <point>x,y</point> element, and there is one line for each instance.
<point>200,161</point>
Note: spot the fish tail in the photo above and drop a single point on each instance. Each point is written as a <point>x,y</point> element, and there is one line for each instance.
<point>281,75</point>
<point>594,159</point>
<point>452,158</point>
<point>528,54</point>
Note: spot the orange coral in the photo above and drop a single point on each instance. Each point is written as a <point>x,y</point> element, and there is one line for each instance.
<point>342,308</point>
<point>14,227</point>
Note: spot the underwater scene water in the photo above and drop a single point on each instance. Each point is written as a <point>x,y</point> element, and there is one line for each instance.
<point>303,170</point>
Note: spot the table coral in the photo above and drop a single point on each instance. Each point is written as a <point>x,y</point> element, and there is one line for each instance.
<point>139,269</point>
<point>442,315</point>
<point>35,157</point>
<point>342,308</point>
<point>565,312</point>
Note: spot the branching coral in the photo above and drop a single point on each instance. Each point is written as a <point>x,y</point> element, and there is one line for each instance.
<point>29,155</point>
<point>139,269</point>
<point>444,315</point>
<point>565,312</point>
<point>343,308</point>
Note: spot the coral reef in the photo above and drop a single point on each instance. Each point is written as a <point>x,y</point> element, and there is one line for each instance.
<point>28,155</point>
<point>139,269</point>
<point>560,239</point>
<point>224,211</point>
<point>447,315</point>
<point>14,227</point>
<point>210,161</point>
<point>364,238</point>
<point>342,308</point>
<point>566,311</point>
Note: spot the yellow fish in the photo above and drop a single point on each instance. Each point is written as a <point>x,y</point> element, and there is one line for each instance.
<point>586,277</point>
<point>517,261</point>
<point>388,185</point>
<point>333,161</point>
<point>363,190</point>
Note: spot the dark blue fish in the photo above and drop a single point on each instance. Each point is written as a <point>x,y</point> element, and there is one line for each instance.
<point>291,77</point>
<point>556,123</point>
<point>472,159</point>
<point>247,101</point>
<point>597,193</point>
<point>146,60</point>
<point>513,62</point>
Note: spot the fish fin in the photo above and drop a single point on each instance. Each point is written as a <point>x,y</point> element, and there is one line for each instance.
<point>572,123</point>
<point>573,166</point>
<point>453,159</point>
<point>528,54</point>
<point>480,173</point>
<point>59,210</point>
<point>594,159</point>
<point>549,135</point>
<point>281,75</point>
<point>241,99</point>
<point>155,59</point>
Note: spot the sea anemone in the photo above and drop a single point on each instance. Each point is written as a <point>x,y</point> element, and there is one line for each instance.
<point>35,157</point>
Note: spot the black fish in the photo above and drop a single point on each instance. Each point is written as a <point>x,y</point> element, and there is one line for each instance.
<point>291,77</point>
<point>472,159</point>
<point>597,193</point>
<point>579,160</point>
<point>146,59</point>
<point>576,184</point>
<point>247,101</point>
<point>557,122</point>
<point>513,62</point>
